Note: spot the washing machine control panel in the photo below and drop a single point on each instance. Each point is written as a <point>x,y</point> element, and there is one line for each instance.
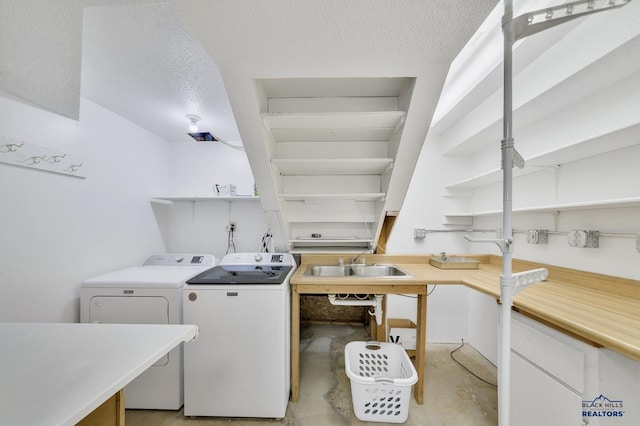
<point>180,260</point>
<point>258,258</point>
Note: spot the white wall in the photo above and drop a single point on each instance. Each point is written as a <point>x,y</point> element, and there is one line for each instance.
<point>59,230</point>
<point>196,166</point>
<point>447,306</point>
<point>201,226</point>
<point>425,202</point>
<point>612,175</point>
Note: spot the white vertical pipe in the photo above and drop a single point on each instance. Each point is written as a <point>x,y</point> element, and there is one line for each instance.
<point>506,279</point>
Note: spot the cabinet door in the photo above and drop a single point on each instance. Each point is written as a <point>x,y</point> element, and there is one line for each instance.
<point>538,399</point>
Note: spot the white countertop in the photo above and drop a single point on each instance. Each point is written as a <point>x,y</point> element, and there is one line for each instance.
<point>56,374</point>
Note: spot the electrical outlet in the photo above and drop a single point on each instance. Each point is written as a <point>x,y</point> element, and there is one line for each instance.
<point>419,233</point>
<point>231,227</point>
<point>537,236</point>
<point>583,238</point>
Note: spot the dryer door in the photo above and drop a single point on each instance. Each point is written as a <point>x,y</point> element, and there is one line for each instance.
<point>130,310</point>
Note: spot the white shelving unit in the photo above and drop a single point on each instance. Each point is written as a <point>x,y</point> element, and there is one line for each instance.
<point>332,154</point>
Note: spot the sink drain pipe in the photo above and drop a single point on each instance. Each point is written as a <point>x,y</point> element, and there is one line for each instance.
<point>374,300</point>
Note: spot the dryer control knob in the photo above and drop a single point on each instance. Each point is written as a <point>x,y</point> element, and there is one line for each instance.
<point>179,259</point>
<point>258,257</point>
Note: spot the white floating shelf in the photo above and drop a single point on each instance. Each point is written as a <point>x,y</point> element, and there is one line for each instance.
<point>562,155</point>
<point>330,244</point>
<point>342,166</point>
<point>213,198</point>
<point>582,205</point>
<point>373,196</point>
<point>339,120</point>
<point>328,249</point>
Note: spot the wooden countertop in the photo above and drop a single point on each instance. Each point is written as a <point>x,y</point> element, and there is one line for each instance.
<point>599,309</point>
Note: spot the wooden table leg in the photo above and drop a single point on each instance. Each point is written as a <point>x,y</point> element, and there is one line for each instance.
<point>421,334</point>
<point>295,345</point>
<point>381,330</point>
<point>110,413</point>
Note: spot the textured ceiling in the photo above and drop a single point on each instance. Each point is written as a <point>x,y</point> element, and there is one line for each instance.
<point>155,61</point>
<point>254,40</point>
<point>142,62</point>
<point>40,53</point>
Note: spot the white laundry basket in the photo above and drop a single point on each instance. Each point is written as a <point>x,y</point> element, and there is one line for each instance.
<point>381,377</point>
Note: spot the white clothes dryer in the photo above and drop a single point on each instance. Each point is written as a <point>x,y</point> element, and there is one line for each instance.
<point>150,293</point>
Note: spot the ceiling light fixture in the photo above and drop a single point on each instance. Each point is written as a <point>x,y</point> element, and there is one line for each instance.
<point>193,127</point>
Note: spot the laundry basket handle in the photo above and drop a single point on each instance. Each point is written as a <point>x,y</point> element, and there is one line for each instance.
<point>373,345</point>
<point>385,380</point>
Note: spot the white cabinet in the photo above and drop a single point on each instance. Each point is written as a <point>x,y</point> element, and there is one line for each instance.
<point>556,379</point>
<point>483,324</point>
<point>538,398</point>
<point>551,374</point>
<point>619,382</point>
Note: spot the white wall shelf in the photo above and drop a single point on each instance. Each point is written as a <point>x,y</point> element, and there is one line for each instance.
<point>553,208</point>
<point>330,120</point>
<point>328,249</point>
<point>373,196</point>
<point>330,244</point>
<point>213,198</point>
<point>573,152</point>
<point>341,166</point>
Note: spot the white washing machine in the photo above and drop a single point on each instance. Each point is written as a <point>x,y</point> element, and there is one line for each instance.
<point>240,364</point>
<point>150,293</point>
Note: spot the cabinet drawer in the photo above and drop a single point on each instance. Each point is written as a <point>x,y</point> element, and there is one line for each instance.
<point>549,350</point>
<point>537,399</point>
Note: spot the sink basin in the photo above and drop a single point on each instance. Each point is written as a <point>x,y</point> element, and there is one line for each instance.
<point>377,271</point>
<point>354,270</point>
<point>454,262</point>
<point>328,271</point>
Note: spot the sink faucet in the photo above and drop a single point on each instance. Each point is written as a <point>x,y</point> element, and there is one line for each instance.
<point>355,259</point>
<point>444,255</point>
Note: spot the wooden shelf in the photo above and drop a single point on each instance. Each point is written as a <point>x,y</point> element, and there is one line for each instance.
<point>178,199</point>
<point>341,166</point>
<point>551,208</point>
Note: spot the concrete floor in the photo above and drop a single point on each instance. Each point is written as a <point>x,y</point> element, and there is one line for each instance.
<point>452,395</point>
